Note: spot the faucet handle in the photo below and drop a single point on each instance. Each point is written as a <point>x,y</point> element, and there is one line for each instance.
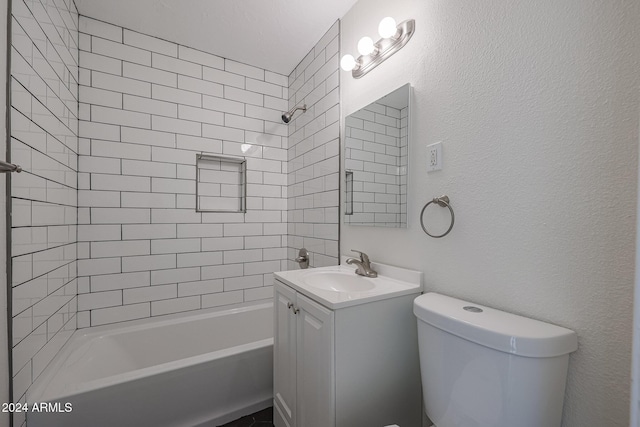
<point>363,257</point>
<point>303,258</point>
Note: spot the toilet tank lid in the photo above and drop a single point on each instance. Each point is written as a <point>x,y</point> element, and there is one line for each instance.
<point>492,328</point>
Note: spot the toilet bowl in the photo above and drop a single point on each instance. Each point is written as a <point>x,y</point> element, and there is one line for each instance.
<point>482,367</point>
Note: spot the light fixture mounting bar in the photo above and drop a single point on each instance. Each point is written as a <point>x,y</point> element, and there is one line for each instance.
<point>386,48</point>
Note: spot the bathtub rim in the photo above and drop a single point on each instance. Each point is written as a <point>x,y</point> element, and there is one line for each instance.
<point>81,337</point>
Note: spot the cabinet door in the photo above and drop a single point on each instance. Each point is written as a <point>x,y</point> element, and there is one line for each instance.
<point>315,365</point>
<point>284,356</point>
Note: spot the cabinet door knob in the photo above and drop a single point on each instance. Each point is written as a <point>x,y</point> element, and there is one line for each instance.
<point>296,310</point>
<point>289,305</point>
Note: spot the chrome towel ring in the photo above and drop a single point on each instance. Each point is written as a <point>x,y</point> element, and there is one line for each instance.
<point>444,202</point>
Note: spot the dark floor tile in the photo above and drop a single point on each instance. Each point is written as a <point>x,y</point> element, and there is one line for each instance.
<point>262,418</point>
<point>265,415</point>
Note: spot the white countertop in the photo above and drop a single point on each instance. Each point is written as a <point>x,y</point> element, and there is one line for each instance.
<point>391,282</point>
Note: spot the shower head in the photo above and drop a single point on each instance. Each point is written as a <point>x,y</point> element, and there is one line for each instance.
<point>286,117</point>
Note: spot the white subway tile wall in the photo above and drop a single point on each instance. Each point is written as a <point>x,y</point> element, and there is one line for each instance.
<point>106,123</point>
<point>314,153</point>
<point>151,106</point>
<point>44,141</point>
<point>376,154</point>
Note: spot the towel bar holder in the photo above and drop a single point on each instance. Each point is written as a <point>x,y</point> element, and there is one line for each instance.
<point>445,203</point>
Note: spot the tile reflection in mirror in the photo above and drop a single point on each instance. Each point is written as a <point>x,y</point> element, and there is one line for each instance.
<point>376,162</point>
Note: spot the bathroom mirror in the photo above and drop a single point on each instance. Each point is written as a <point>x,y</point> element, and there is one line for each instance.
<point>376,161</point>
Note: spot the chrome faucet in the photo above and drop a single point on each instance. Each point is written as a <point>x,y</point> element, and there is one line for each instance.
<point>364,265</point>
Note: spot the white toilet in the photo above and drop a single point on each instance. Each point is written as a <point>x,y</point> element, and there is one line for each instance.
<point>482,367</point>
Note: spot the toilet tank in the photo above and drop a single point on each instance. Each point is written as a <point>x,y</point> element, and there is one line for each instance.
<point>482,367</point>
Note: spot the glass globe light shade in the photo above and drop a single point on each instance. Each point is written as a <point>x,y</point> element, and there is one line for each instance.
<point>365,46</point>
<point>348,62</point>
<point>387,27</point>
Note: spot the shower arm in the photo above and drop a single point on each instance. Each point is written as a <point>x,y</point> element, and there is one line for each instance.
<point>303,108</point>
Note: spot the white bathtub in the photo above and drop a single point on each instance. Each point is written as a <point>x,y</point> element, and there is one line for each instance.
<point>200,370</point>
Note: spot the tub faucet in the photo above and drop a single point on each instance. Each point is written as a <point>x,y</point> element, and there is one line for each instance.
<point>364,265</point>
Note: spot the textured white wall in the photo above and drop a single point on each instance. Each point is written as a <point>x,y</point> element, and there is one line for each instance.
<point>537,107</point>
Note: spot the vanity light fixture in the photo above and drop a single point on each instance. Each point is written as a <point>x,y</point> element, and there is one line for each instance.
<point>388,28</point>
<point>366,46</point>
<point>394,37</point>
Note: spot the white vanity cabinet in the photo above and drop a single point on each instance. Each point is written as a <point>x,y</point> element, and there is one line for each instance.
<point>345,367</point>
<point>303,361</point>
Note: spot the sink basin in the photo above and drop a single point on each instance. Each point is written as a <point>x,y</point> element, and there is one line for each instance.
<point>339,282</point>
<point>339,286</point>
